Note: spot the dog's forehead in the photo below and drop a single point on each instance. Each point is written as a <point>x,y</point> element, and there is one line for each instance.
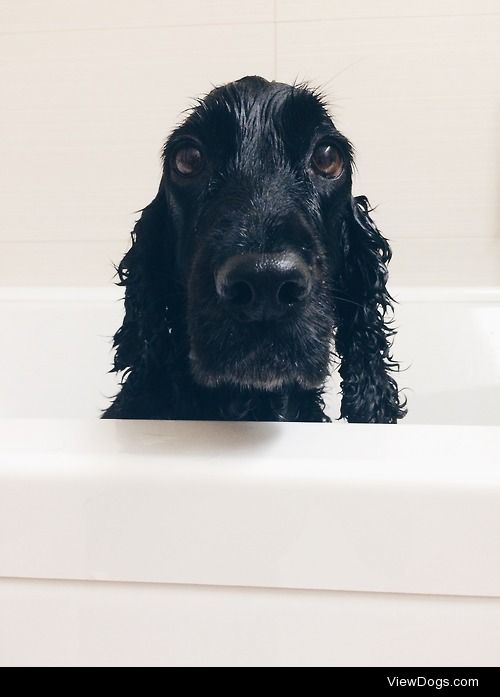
<point>253,107</point>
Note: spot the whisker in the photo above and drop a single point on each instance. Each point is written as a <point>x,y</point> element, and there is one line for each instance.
<point>347,300</point>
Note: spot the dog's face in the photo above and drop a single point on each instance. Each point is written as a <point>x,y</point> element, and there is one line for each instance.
<point>255,179</point>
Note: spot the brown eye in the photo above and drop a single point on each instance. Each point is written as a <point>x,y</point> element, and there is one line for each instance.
<point>189,161</point>
<point>327,160</point>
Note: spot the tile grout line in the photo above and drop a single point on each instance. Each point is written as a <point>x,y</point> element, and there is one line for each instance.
<point>275,36</point>
<point>318,19</point>
<point>134,27</point>
<point>356,18</point>
<point>107,240</point>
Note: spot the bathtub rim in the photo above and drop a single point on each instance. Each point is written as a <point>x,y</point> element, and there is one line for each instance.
<point>374,513</point>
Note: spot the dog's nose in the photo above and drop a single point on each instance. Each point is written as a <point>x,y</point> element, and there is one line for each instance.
<point>263,286</point>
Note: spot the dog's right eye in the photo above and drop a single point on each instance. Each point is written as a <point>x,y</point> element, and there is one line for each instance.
<point>189,161</point>
<point>327,160</point>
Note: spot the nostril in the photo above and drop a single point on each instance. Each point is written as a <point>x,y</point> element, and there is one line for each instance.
<point>291,292</point>
<point>240,293</point>
<point>263,287</point>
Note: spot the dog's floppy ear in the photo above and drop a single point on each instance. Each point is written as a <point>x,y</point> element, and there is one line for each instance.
<point>363,333</point>
<point>142,273</point>
<point>147,273</point>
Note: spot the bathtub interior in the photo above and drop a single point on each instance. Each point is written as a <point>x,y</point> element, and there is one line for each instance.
<point>56,353</point>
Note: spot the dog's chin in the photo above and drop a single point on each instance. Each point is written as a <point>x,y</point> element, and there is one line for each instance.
<point>256,375</point>
<point>266,357</point>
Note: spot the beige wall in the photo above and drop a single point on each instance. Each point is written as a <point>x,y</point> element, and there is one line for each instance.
<point>91,89</point>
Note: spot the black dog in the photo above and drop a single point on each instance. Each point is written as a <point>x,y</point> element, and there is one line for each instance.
<point>252,268</point>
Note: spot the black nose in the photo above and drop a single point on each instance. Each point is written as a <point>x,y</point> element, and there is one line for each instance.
<point>263,286</point>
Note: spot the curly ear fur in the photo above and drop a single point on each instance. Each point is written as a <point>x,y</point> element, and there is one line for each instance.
<point>363,335</point>
<point>148,274</point>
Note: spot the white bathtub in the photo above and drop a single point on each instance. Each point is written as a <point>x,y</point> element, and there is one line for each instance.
<point>175,543</point>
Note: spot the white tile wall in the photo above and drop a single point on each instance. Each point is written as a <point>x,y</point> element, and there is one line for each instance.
<point>87,113</point>
<point>61,15</point>
<point>299,10</point>
<point>62,263</point>
<point>420,99</point>
<point>90,91</point>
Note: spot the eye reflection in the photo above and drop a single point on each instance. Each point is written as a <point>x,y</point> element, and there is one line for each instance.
<point>327,160</point>
<point>189,161</point>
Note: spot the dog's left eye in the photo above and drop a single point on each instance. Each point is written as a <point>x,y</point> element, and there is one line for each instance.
<point>189,161</point>
<point>327,160</point>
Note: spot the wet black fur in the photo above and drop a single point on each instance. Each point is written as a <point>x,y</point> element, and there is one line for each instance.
<point>182,355</point>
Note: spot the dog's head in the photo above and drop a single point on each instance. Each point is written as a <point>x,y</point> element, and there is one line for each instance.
<point>253,253</point>
<point>254,178</point>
